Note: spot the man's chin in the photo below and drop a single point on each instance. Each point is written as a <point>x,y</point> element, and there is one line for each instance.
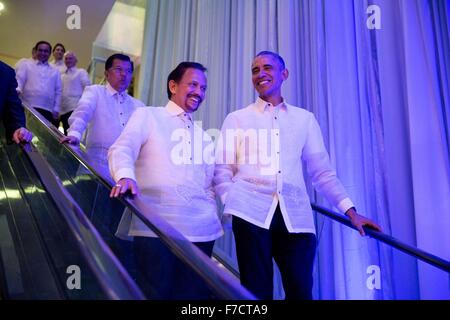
<point>193,108</point>
<point>262,91</point>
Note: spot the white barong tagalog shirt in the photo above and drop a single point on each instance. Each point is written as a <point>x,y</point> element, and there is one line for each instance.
<point>259,164</point>
<point>172,160</point>
<point>103,113</point>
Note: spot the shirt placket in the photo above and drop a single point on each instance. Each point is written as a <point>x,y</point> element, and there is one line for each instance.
<point>43,83</point>
<point>119,102</point>
<point>275,146</point>
<point>188,143</point>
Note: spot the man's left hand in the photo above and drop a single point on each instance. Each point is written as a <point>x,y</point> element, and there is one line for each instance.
<point>22,135</point>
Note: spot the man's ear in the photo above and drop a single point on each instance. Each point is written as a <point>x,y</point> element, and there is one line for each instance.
<point>173,86</point>
<point>285,74</point>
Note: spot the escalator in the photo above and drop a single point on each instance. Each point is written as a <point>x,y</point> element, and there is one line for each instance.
<point>57,230</point>
<point>41,256</point>
<point>57,226</point>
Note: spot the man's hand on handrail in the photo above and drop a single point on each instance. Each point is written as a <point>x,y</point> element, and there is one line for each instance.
<point>70,139</point>
<point>124,185</point>
<point>22,135</point>
<point>358,221</point>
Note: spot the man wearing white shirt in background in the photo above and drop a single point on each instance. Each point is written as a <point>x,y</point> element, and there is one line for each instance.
<point>259,178</point>
<point>74,80</point>
<point>162,155</point>
<point>39,84</point>
<point>103,111</point>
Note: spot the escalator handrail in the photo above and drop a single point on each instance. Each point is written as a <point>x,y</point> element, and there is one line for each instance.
<point>383,237</point>
<point>112,276</point>
<point>223,284</point>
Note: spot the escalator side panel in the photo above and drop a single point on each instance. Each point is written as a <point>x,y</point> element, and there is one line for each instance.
<point>26,267</point>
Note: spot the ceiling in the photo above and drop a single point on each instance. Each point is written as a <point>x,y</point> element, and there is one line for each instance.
<point>24,22</point>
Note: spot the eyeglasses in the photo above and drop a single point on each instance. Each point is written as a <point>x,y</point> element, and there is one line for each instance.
<point>119,70</point>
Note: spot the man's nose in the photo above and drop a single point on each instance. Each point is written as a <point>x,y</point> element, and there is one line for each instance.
<point>261,74</point>
<point>198,91</point>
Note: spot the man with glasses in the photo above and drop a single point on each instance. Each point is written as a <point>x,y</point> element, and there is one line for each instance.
<point>39,83</point>
<point>104,110</point>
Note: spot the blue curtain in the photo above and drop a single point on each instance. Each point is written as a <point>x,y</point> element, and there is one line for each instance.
<point>382,100</point>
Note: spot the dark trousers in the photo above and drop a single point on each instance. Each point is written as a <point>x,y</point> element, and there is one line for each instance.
<point>49,116</point>
<point>105,214</point>
<point>163,276</point>
<point>65,121</point>
<point>293,252</point>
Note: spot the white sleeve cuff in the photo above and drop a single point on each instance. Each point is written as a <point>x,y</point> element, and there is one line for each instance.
<point>74,134</point>
<point>124,173</point>
<point>344,205</point>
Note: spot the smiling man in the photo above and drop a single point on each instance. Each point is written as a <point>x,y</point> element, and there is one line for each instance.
<point>146,161</point>
<point>272,215</point>
<point>39,84</point>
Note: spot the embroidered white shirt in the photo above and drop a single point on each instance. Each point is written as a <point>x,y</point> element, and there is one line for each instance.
<point>39,85</point>
<point>103,113</point>
<point>259,164</point>
<point>74,80</point>
<point>172,160</point>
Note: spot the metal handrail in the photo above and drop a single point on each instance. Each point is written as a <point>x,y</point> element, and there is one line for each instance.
<point>413,251</point>
<point>224,285</point>
<point>112,276</point>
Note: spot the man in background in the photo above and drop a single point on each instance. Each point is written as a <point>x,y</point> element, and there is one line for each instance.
<point>103,111</point>
<point>74,80</point>
<point>11,109</point>
<point>39,84</point>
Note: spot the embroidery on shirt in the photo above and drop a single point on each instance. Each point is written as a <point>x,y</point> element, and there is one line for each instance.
<point>185,193</point>
<point>293,193</point>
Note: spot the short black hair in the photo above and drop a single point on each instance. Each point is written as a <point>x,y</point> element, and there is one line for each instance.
<point>59,45</point>
<point>42,42</point>
<point>119,56</point>
<point>179,71</point>
<point>273,54</point>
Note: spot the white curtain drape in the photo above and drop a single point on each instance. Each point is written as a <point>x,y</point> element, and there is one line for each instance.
<point>381,96</point>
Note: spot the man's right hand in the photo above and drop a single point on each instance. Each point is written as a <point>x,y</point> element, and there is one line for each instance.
<point>122,186</point>
<point>69,139</point>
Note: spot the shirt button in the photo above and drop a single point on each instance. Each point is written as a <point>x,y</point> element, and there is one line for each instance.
<point>189,127</point>
<point>279,171</point>
<point>121,113</point>
<point>276,118</point>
